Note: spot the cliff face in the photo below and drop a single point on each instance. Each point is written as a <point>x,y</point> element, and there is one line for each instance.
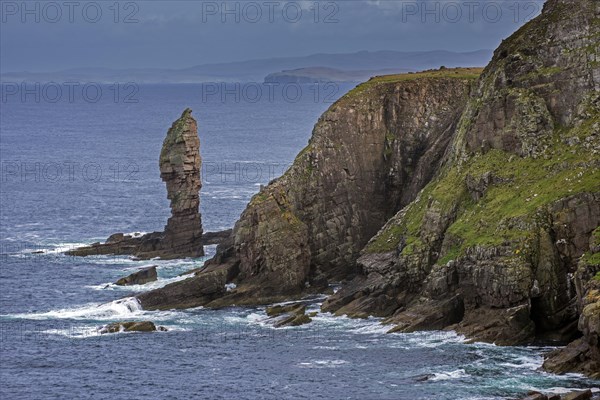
<point>490,246</point>
<point>369,155</point>
<point>488,204</point>
<point>583,355</point>
<point>180,166</point>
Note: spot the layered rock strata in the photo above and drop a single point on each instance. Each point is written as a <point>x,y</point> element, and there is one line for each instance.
<point>180,165</point>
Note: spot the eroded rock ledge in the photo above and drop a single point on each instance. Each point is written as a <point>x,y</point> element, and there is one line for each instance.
<point>180,166</point>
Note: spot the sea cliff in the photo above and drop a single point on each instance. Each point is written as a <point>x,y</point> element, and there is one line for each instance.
<point>451,199</point>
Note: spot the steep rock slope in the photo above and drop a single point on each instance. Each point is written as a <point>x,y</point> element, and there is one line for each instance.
<point>583,354</point>
<point>369,155</point>
<point>491,244</point>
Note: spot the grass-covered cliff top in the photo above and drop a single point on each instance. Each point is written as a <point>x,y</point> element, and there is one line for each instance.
<point>457,73</point>
<point>460,73</point>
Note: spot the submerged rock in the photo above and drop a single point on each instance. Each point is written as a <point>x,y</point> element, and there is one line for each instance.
<point>140,277</point>
<point>297,308</point>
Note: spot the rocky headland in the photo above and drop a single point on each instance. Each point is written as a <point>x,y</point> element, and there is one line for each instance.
<point>459,199</point>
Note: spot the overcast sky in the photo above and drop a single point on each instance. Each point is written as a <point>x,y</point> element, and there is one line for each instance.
<point>48,36</point>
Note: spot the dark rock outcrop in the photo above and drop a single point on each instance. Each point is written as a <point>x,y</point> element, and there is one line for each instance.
<point>583,354</point>
<point>576,395</point>
<point>131,326</point>
<point>196,291</point>
<point>288,315</point>
<point>143,276</point>
<point>212,238</point>
<point>180,166</point>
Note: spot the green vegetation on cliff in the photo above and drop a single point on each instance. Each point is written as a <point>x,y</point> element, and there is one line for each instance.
<point>458,73</point>
<point>518,187</point>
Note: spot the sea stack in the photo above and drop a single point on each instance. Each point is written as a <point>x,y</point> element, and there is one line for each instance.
<point>180,165</point>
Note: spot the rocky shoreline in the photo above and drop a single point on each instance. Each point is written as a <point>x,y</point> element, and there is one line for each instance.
<point>576,395</point>
<point>451,199</point>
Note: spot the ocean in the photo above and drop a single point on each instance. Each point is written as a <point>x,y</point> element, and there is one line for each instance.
<point>78,166</point>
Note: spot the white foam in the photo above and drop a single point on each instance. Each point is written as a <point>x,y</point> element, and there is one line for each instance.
<point>62,247</point>
<point>135,234</point>
<point>250,319</point>
<point>122,308</point>
<point>75,332</point>
<point>159,283</point>
<point>560,389</point>
<point>57,248</point>
<point>444,376</point>
<point>532,362</point>
<point>430,339</point>
<point>322,363</point>
<point>372,328</point>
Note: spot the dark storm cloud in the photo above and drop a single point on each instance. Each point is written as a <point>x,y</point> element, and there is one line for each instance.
<point>43,36</point>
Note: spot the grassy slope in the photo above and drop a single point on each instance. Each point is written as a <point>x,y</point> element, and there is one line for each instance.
<point>528,184</point>
<point>458,73</point>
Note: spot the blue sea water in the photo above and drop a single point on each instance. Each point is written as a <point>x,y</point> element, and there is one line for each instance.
<point>77,171</point>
